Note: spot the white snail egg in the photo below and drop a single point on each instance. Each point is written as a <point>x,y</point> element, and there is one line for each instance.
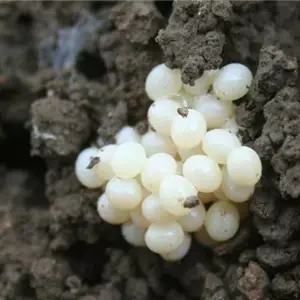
<point>162,81</point>
<point>222,221</point>
<point>127,134</point>
<point>161,114</point>
<point>154,142</point>
<point>128,160</point>
<point>158,167</point>
<point>109,213</point>
<point>213,110</point>
<point>124,194</point>
<point>164,237</point>
<point>153,210</point>
<point>188,131</point>
<point>244,166</point>
<point>203,172</point>
<point>235,192</point>
<point>232,82</point>
<point>218,143</point>
<point>87,177</point>
<point>133,234</point>
<point>174,191</point>
<point>181,251</point>
<point>103,168</point>
<point>194,220</point>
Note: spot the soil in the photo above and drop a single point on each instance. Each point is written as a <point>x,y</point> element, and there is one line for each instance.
<point>72,74</point>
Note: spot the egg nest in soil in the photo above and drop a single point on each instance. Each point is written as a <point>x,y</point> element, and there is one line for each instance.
<point>189,174</point>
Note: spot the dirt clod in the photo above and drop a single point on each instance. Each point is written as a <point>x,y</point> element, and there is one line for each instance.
<point>59,127</point>
<point>254,283</point>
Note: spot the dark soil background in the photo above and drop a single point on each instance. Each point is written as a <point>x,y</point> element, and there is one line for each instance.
<point>72,71</point>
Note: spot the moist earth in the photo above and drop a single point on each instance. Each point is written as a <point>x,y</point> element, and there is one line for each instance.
<point>72,74</point>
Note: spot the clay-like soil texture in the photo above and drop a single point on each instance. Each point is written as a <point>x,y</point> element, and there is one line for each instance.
<point>72,73</point>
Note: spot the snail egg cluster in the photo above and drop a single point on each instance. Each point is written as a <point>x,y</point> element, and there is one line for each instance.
<point>188,174</point>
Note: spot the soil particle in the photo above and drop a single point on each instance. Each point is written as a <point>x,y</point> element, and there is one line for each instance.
<point>222,9</point>
<point>23,232</point>
<point>68,212</point>
<point>213,288</point>
<point>150,268</point>
<point>107,113</point>
<point>136,289</point>
<point>280,230</point>
<point>48,277</point>
<point>59,127</point>
<point>233,273</point>
<point>254,282</point>
<point>286,285</point>
<point>275,257</point>
<point>61,181</point>
<point>119,266</point>
<point>275,71</point>
<point>284,158</point>
<point>264,205</point>
<point>109,292</point>
<point>191,41</point>
<point>247,256</point>
<point>137,21</point>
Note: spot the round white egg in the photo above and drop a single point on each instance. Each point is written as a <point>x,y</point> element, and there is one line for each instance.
<point>103,168</point>
<point>188,131</point>
<point>235,192</point>
<point>222,221</point>
<point>124,194</point>
<point>214,111</point>
<point>174,191</point>
<point>109,213</point>
<point>203,172</point>
<point>128,160</point>
<point>161,114</point>
<point>181,251</point>
<point>153,142</point>
<point>194,220</point>
<point>162,81</point>
<point>218,144</point>
<point>133,234</point>
<point>232,82</point>
<point>87,177</point>
<point>127,134</point>
<point>164,237</point>
<point>244,166</point>
<point>153,210</point>
<point>158,167</point>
